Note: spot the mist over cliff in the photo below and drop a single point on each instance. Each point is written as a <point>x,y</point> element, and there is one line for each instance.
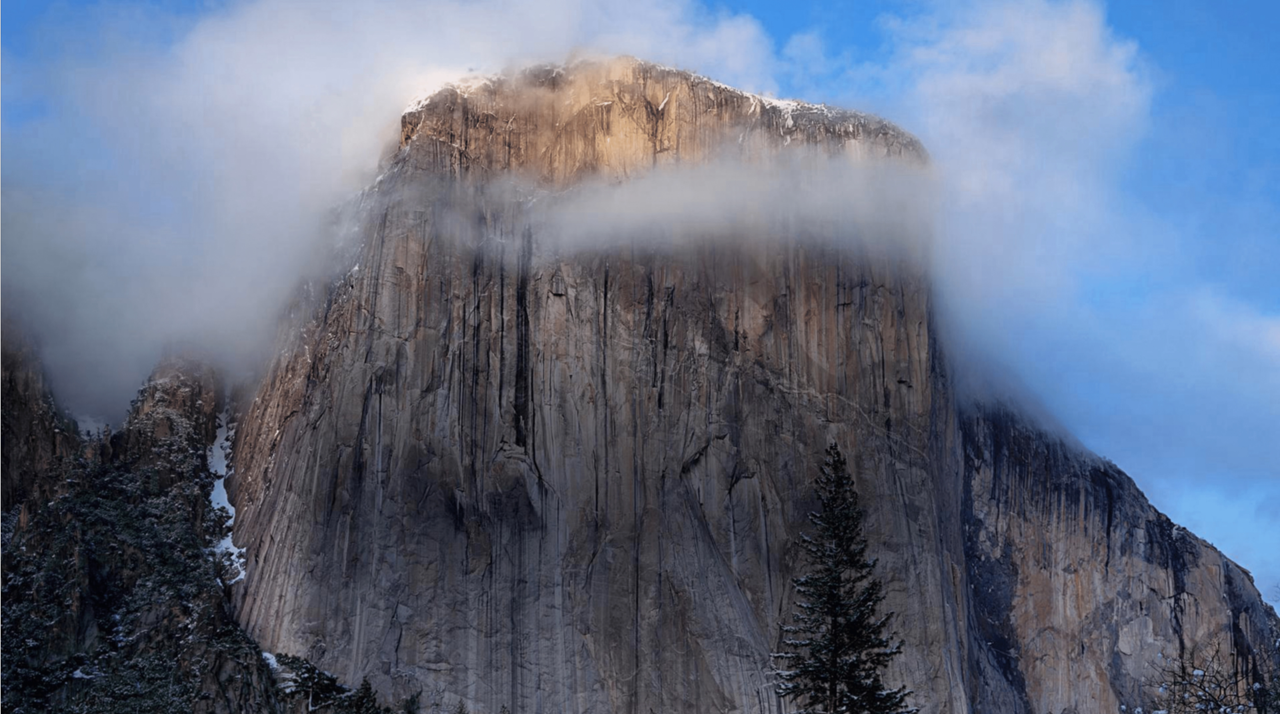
<point>589,464</point>
<point>528,384</point>
<point>222,146</point>
<point>172,178</point>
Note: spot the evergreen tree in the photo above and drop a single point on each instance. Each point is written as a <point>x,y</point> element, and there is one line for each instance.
<point>838,643</point>
<point>364,701</point>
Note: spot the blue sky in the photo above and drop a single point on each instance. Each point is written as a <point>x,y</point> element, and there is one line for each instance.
<point>1112,236</point>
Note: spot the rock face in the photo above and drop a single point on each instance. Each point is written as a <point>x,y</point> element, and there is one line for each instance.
<point>1080,587</point>
<point>113,600</point>
<point>37,438</point>
<point>573,481</point>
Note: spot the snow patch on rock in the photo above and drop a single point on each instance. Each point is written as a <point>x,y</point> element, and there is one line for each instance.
<point>219,457</point>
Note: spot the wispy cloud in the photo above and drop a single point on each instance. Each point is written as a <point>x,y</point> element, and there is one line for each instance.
<point>1112,302</point>
<point>177,173</point>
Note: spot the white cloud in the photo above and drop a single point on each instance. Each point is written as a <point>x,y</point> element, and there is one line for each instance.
<point>1029,110</point>
<point>176,189</point>
<point>877,206</point>
<point>1048,264</point>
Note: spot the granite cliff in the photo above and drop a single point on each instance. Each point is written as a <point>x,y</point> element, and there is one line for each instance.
<point>571,480</point>
<point>486,465</point>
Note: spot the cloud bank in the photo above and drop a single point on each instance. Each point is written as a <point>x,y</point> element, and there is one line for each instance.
<point>1061,261</point>
<point>885,207</point>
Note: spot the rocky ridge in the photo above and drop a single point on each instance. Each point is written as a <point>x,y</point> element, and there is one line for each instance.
<point>113,600</point>
<point>621,118</point>
<point>37,437</point>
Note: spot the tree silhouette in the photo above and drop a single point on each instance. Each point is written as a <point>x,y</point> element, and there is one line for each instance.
<point>1211,680</point>
<point>837,641</point>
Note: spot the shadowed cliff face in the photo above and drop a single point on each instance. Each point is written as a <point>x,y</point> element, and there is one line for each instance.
<point>1079,584</point>
<point>38,439</point>
<point>572,481</point>
<point>113,596</point>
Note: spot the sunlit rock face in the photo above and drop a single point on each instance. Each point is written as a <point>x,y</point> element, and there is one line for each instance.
<point>572,480</point>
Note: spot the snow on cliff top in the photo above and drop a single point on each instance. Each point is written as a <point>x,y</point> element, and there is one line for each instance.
<point>790,111</point>
<point>470,83</point>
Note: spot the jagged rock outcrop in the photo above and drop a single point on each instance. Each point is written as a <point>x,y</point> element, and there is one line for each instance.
<point>572,481</point>
<point>38,438</point>
<point>113,596</point>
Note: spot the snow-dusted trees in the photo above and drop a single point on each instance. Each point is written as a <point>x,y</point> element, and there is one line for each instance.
<point>1207,679</point>
<point>838,642</point>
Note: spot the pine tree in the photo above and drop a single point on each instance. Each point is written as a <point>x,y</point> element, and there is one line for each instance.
<point>838,642</point>
<point>364,701</point>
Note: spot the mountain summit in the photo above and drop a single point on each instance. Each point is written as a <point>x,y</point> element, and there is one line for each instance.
<point>573,481</point>
<point>489,466</point>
